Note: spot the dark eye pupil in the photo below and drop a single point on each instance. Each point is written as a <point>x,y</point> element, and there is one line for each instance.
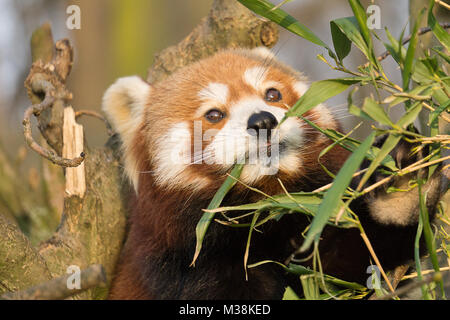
<point>273,95</point>
<point>214,116</point>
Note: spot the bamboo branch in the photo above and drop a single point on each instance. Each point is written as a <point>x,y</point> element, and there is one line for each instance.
<point>436,277</point>
<point>421,31</point>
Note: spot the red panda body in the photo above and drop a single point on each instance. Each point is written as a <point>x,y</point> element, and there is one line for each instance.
<point>234,95</point>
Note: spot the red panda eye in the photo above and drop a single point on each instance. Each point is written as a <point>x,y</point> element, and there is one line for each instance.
<point>273,95</point>
<point>214,115</point>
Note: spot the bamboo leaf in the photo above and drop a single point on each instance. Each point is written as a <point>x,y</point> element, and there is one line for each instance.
<point>344,31</point>
<point>397,51</point>
<point>361,17</point>
<point>300,270</point>
<point>442,108</point>
<point>376,112</point>
<point>268,10</point>
<point>319,92</point>
<point>442,55</point>
<point>205,221</point>
<point>334,194</point>
<point>411,114</point>
<point>409,60</point>
<point>289,294</point>
<point>387,147</point>
<point>247,247</point>
<point>428,234</point>
<point>424,287</point>
<point>438,31</point>
<point>351,145</point>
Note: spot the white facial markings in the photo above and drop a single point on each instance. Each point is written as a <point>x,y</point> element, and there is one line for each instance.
<point>215,91</point>
<point>215,94</point>
<point>326,119</point>
<point>173,157</point>
<point>233,144</point>
<point>300,87</point>
<point>255,77</point>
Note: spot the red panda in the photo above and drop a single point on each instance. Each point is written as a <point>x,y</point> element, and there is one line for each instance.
<point>181,136</point>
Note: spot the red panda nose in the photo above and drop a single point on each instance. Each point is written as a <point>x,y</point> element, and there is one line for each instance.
<point>259,121</point>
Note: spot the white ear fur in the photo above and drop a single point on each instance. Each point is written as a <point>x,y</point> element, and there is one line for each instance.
<point>263,52</point>
<point>123,104</point>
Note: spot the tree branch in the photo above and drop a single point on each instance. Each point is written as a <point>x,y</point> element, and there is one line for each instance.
<point>229,24</point>
<point>58,289</point>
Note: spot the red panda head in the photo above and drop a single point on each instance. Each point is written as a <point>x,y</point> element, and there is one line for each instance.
<point>189,130</point>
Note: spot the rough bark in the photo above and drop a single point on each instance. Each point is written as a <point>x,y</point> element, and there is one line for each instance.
<point>92,228</point>
<point>229,24</point>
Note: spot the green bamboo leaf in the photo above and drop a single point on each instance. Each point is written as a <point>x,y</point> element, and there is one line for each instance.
<point>433,115</point>
<point>397,51</point>
<point>289,294</point>
<point>442,55</point>
<point>387,147</point>
<point>353,109</point>
<point>268,10</point>
<point>376,112</point>
<point>409,60</point>
<point>361,17</point>
<point>305,203</point>
<point>428,234</point>
<point>249,238</point>
<point>411,114</point>
<point>205,221</point>
<point>390,143</point>
<point>424,287</point>
<point>344,31</point>
<point>333,196</point>
<point>438,31</point>
<point>319,92</point>
<point>300,270</point>
<point>310,287</point>
<point>351,145</point>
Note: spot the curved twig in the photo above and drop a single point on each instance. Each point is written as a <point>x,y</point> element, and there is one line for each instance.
<point>97,115</point>
<point>35,110</point>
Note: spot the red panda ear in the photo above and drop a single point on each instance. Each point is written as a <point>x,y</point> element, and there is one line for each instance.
<point>124,103</point>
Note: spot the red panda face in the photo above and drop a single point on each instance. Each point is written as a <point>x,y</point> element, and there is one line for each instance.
<point>195,126</point>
